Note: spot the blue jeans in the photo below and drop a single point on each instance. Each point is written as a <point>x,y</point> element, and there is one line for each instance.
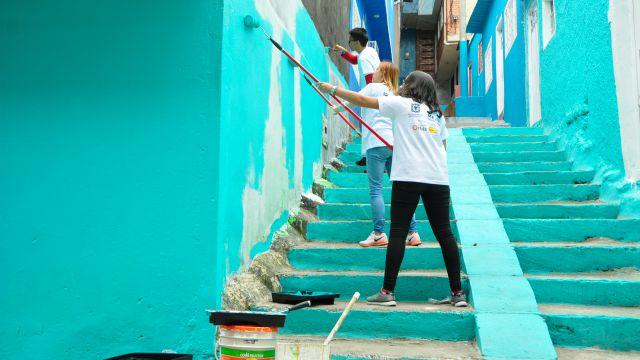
<point>379,160</point>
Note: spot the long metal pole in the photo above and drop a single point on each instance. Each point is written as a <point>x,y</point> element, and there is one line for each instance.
<point>337,99</point>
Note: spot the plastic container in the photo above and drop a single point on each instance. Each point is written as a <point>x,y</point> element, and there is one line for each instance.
<point>240,342</point>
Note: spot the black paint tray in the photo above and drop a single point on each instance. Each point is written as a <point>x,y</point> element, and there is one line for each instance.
<point>253,318</point>
<point>294,297</point>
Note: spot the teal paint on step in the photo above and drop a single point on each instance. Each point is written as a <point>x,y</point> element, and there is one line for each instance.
<point>540,193</point>
<point>445,325</point>
<point>508,324</point>
<point>519,230</point>
<point>524,166</point>
<point>355,231</point>
<point>586,292</point>
<point>541,260</point>
<point>411,287</point>
<point>558,211</point>
<point>519,156</point>
<point>539,177</point>
<point>361,259</point>
<point>605,332</point>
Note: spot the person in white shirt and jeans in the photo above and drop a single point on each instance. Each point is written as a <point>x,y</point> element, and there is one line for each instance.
<point>379,156</point>
<point>419,170</point>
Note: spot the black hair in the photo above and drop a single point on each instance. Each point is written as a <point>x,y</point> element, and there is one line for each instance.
<point>359,35</point>
<point>421,87</point>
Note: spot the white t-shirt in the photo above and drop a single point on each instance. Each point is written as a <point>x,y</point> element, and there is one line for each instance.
<point>418,153</point>
<point>382,125</point>
<point>368,62</point>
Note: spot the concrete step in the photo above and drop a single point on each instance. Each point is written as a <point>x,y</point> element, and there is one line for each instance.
<point>412,286</point>
<point>571,230</point>
<point>332,211</point>
<point>354,231</point>
<point>543,193</point>
<point>350,157</point>
<point>392,348</point>
<point>510,167</point>
<point>408,320</point>
<point>611,328</point>
<point>568,353</point>
<point>558,211</point>
<point>492,147</point>
<point>496,139</point>
<point>519,156</point>
<point>606,288</point>
<point>499,193</point>
<point>509,131</point>
<point>361,180</point>
<point>353,168</point>
<point>351,257</point>
<point>539,177</point>
<point>514,146</point>
<point>541,258</point>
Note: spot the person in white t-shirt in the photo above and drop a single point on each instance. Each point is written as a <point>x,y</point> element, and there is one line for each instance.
<point>379,156</point>
<point>419,170</point>
<point>367,60</point>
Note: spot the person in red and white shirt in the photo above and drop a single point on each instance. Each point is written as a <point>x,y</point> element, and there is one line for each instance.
<point>366,59</point>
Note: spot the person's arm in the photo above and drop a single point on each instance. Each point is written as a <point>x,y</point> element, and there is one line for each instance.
<point>351,96</point>
<point>345,54</point>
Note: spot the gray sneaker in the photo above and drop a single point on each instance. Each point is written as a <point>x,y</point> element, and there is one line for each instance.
<point>459,300</point>
<point>382,299</point>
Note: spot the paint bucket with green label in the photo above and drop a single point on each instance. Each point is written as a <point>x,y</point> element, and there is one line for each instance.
<point>238,342</point>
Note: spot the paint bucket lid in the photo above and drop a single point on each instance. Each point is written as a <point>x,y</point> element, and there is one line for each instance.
<point>246,328</point>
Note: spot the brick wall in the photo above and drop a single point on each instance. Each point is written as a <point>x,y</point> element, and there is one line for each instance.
<point>331,18</point>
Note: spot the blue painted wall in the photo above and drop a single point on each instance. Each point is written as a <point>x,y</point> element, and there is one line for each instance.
<point>108,163</point>
<point>514,70</point>
<point>407,45</point>
<point>579,105</point>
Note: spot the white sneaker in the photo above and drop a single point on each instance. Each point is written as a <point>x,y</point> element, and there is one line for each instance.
<point>375,239</point>
<point>413,239</point>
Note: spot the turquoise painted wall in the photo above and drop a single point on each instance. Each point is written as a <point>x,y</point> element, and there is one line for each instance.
<point>578,90</point>
<point>514,70</point>
<point>108,163</point>
<point>270,125</point>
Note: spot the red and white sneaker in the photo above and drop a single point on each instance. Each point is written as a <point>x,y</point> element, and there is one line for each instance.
<point>375,239</point>
<point>413,239</point>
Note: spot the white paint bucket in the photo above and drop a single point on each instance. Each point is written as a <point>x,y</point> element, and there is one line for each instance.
<point>247,342</point>
<point>300,350</point>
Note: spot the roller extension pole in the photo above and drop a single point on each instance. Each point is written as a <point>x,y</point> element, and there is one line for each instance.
<point>251,22</point>
<point>329,102</point>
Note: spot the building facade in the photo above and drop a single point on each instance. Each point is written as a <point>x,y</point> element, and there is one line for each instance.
<point>568,66</point>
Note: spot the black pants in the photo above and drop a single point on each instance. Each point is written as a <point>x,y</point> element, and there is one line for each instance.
<point>436,200</point>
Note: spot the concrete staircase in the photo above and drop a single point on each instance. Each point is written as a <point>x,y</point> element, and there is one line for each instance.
<point>549,267</point>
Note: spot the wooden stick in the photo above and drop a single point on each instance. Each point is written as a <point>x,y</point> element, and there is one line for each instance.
<point>355,298</point>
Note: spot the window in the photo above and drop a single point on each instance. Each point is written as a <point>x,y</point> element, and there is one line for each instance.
<point>548,21</point>
<point>488,73</point>
<point>510,25</point>
<point>480,53</point>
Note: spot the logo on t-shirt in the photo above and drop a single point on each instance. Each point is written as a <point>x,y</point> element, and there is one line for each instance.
<point>415,107</point>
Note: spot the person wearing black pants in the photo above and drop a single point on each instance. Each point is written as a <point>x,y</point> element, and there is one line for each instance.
<point>436,200</point>
<point>419,169</point>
